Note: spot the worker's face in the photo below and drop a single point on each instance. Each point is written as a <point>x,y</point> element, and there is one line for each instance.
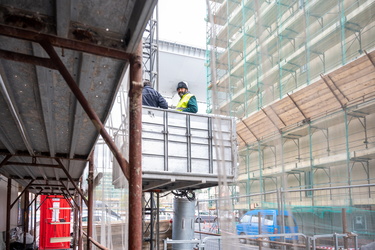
<point>181,91</point>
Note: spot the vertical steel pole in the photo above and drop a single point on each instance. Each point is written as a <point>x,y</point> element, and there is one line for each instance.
<point>344,227</point>
<point>90,201</point>
<point>336,240</point>
<point>135,151</point>
<point>356,242</point>
<point>35,212</point>
<point>7,231</point>
<point>80,234</point>
<point>313,244</point>
<point>260,229</point>
<point>152,220</point>
<point>157,221</point>
<point>308,243</point>
<point>75,219</point>
<point>25,216</point>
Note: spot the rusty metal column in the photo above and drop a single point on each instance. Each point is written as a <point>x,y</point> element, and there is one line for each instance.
<point>75,219</point>
<point>7,230</point>
<point>90,202</point>
<point>25,216</point>
<point>35,212</point>
<point>135,151</point>
<point>80,234</point>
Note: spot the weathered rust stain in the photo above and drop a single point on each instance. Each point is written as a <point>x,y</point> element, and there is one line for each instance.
<point>96,124</point>
<point>85,35</point>
<point>25,21</point>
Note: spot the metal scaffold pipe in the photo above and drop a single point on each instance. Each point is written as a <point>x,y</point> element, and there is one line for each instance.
<point>90,205</point>
<point>135,151</point>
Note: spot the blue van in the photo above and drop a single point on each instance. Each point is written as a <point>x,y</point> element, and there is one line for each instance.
<point>271,222</point>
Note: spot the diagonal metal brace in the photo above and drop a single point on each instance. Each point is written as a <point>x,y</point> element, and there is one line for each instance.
<point>87,107</point>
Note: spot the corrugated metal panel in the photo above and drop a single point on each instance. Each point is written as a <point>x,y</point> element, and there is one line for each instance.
<point>40,117</point>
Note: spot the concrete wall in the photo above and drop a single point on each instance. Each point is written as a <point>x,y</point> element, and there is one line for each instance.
<point>3,204</point>
<point>182,63</point>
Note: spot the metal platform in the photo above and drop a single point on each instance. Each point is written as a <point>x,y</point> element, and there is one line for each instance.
<point>186,151</point>
<point>183,150</point>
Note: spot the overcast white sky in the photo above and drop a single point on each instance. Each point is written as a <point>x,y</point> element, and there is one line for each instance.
<point>182,21</point>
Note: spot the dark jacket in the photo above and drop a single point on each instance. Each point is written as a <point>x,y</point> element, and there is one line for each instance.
<point>192,105</point>
<point>150,97</point>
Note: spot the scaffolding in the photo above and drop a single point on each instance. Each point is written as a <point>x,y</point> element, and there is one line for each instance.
<point>151,51</point>
<point>299,77</point>
<point>266,49</point>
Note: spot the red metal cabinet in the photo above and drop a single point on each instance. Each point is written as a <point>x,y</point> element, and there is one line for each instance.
<point>54,231</point>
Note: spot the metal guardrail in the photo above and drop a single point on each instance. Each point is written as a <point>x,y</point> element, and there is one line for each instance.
<point>202,243</point>
<point>168,241</point>
<point>335,237</point>
<point>310,241</point>
<point>93,241</point>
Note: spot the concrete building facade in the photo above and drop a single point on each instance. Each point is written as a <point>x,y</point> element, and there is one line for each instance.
<point>299,77</point>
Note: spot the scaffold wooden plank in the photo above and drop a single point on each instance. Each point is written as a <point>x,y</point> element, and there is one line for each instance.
<point>60,239</point>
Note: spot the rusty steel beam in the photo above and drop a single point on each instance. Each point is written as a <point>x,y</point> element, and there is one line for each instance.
<point>19,57</point>
<point>90,206</point>
<point>47,185</point>
<point>79,158</point>
<point>23,191</point>
<point>71,196</point>
<point>66,197</point>
<point>14,177</point>
<point>71,180</point>
<point>41,202</point>
<point>5,160</point>
<point>87,107</point>
<point>55,191</point>
<point>34,200</point>
<point>7,230</point>
<point>93,241</point>
<point>135,151</point>
<point>32,164</point>
<point>65,43</point>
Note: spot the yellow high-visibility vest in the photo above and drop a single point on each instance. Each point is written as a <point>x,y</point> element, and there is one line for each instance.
<point>183,103</point>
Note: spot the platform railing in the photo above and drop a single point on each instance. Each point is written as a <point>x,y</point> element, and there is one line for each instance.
<point>310,241</point>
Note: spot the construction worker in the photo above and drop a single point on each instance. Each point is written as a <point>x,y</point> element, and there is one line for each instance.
<point>188,102</point>
<point>150,97</point>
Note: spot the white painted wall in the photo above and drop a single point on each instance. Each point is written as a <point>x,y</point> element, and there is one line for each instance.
<point>178,62</point>
<point>3,204</point>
